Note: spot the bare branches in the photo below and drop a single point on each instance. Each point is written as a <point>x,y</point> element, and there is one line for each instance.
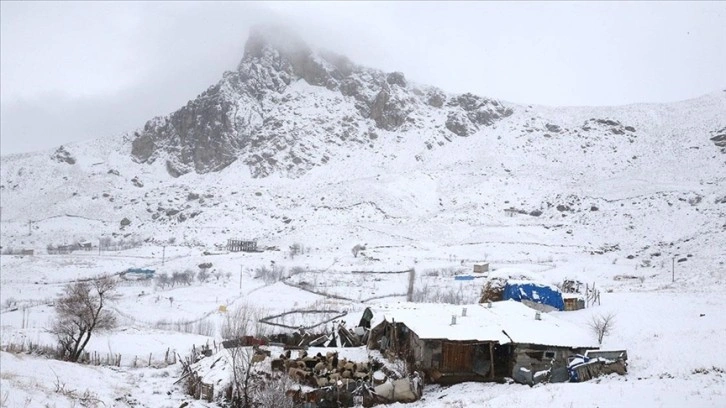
<point>80,310</point>
<point>602,325</point>
<point>242,321</point>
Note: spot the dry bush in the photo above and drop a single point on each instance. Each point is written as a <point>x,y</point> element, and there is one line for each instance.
<point>434,294</point>
<point>244,320</point>
<point>80,312</point>
<point>602,325</point>
<point>270,275</point>
<point>273,392</point>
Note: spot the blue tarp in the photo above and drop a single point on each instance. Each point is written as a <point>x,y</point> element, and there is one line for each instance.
<point>534,292</point>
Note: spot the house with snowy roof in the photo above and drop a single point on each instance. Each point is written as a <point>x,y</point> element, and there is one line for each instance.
<point>479,342</point>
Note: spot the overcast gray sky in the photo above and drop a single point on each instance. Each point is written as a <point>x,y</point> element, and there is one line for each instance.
<point>78,70</point>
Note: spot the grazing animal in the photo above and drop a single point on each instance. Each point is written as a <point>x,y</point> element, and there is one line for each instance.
<point>296,374</point>
<point>342,363</point>
<point>278,364</point>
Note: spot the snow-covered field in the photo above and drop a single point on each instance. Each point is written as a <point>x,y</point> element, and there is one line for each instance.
<point>640,213</point>
<point>670,329</point>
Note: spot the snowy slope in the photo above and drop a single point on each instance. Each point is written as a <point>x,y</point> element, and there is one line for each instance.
<point>298,147</point>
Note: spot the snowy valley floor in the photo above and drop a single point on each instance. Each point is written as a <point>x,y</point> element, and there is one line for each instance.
<point>673,333</point>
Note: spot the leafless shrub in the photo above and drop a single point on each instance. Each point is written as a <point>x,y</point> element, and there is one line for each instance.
<point>273,392</point>
<point>602,325</point>
<point>295,250</point>
<point>186,277</point>
<point>203,275</point>
<point>297,270</point>
<point>110,244</point>
<point>81,311</point>
<point>28,347</point>
<point>244,320</point>
<point>270,275</point>
<point>429,294</point>
<point>10,302</point>
<point>86,399</point>
<point>162,280</point>
<point>240,358</point>
<point>443,272</point>
<point>202,327</point>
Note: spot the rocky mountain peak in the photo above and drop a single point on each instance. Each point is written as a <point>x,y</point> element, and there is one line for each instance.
<point>257,115</point>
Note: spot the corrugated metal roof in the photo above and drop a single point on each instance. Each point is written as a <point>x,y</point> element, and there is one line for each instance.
<point>433,321</point>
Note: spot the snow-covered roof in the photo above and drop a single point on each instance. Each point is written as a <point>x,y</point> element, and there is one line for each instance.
<point>481,323</point>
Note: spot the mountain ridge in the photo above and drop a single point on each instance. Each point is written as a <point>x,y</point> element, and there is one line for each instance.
<point>319,170</point>
<point>242,116</point>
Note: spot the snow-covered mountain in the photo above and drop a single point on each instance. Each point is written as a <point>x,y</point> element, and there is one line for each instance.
<point>303,146</point>
<point>287,109</point>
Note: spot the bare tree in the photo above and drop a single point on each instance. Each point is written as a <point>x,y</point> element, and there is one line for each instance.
<point>163,280</point>
<point>249,390</point>
<point>602,325</point>
<point>242,321</point>
<point>273,392</point>
<point>295,249</point>
<point>240,358</point>
<point>81,311</point>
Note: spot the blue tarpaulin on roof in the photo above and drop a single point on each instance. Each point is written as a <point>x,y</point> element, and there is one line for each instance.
<point>534,292</point>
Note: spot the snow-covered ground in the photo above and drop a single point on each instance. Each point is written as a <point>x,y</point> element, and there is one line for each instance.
<point>624,211</point>
<point>670,329</point>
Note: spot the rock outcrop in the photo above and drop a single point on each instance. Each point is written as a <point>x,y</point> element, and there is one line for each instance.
<point>286,108</point>
<point>719,139</point>
<point>62,155</point>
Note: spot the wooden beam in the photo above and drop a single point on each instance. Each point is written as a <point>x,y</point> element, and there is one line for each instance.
<point>491,357</point>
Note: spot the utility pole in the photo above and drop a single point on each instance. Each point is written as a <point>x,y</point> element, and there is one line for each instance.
<point>163,254</point>
<point>673,270</point>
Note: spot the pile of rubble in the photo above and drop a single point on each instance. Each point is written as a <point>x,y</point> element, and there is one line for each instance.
<point>321,371</point>
<point>341,381</point>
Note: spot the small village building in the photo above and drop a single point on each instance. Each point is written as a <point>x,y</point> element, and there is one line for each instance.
<point>481,268</point>
<point>241,245</point>
<point>85,245</point>
<point>573,301</point>
<point>481,342</point>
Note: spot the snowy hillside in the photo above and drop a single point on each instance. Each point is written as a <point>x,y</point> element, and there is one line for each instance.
<point>303,147</point>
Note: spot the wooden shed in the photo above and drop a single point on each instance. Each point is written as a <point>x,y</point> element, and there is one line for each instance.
<point>481,268</point>
<point>452,344</point>
<point>573,302</point>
